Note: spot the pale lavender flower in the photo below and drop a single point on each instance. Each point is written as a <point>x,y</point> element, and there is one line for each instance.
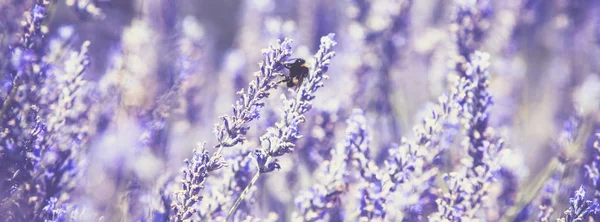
<point>373,184</point>
<point>62,149</point>
<point>471,182</point>
<point>476,109</point>
<point>378,31</point>
<point>334,176</point>
<point>451,205</point>
<point>592,170</point>
<point>470,23</point>
<point>414,162</point>
<point>546,206</point>
<point>194,175</point>
<point>319,141</point>
<point>53,211</point>
<point>223,188</point>
<point>86,8</point>
<point>374,187</point>
<point>280,138</point>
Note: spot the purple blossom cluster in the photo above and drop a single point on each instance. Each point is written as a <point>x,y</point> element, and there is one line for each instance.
<point>462,110</point>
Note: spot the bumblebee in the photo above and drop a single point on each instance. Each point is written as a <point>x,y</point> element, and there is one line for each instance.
<point>298,71</point>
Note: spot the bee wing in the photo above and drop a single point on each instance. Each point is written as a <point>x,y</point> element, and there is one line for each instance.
<point>304,71</point>
<point>288,64</point>
<point>300,80</point>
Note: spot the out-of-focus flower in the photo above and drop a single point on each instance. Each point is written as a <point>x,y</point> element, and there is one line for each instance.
<point>21,122</point>
<point>587,96</point>
<point>546,206</point>
<point>62,148</point>
<point>471,183</point>
<point>86,8</point>
<point>415,161</point>
<point>470,22</point>
<point>378,31</point>
<point>319,141</point>
<point>334,176</point>
<point>592,170</point>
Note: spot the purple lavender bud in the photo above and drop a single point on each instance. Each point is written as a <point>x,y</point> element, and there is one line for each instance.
<point>194,175</point>
<point>334,176</point>
<point>471,183</point>
<point>86,9</point>
<point>54,212</point>
<point>592,170</point>
<point>470,19</point>
<point>549,191</point>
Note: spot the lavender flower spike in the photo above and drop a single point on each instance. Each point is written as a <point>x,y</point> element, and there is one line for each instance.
<point>580,209</point>
<point>62,150</point>
<point>316,203</point>
<point>468,188</point>
<point>280,138</point>
<point>232,130</point>
<point>592,170</point>
<point>194,175</point>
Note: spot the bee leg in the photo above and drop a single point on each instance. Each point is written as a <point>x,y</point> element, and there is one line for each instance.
<point>281,81</point>
<point>299,83</point>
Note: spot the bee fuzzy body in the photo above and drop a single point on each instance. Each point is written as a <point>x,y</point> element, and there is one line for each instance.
<point>298,71</point>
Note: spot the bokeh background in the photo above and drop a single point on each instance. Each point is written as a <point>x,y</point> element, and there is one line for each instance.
<point>394,58</point>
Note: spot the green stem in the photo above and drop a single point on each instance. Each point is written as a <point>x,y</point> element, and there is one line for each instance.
<point>531,191</point>
<point>572,153</point>
<point>242,195</point>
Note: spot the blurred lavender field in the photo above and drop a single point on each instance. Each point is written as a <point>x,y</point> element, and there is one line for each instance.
<point>194,110</point>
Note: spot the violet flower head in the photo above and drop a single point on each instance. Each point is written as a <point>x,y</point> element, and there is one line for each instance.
<point>233,130</point>
<point>592,170</point>
<point>373,183</point>
<point>334,176</point>
<point>21,114</point>
<point>471,183</point>
<point>415,161</point>
<point>86,9</point>
<point>374,187</point>
<point>580,209</point>
<point>471,21</point>
<point>549,191</point>
<point>452,206</point>
<point>62,148</point>
<point>476,108</point>
<point>54,212</point>
<point>280,138</point>
<point>357,138</point>
<point>194,175</point>
<point>222,189</point>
